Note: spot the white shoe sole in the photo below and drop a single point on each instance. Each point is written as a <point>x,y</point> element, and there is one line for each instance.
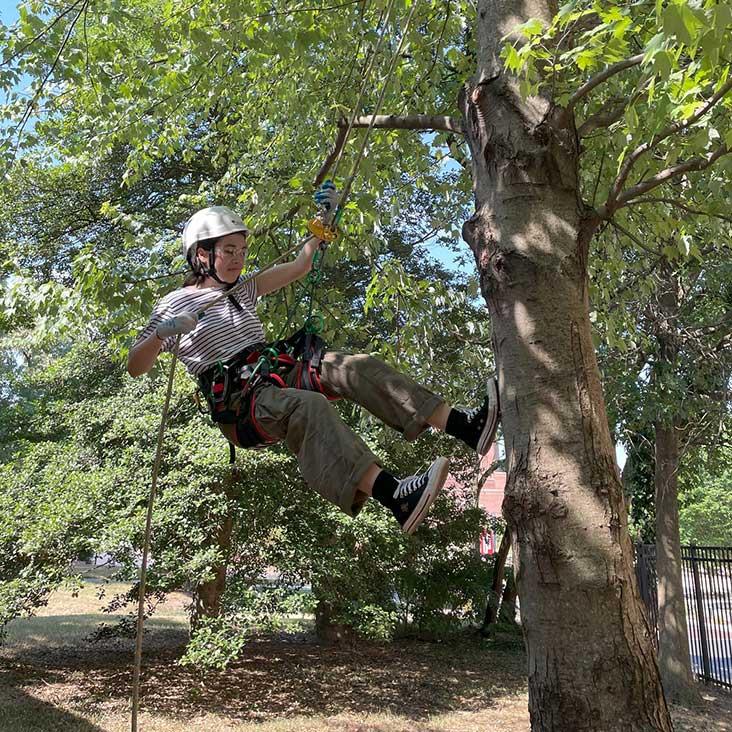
<point>491,423</point>
<point>437,476</point>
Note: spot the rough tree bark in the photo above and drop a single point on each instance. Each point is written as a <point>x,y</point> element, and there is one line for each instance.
<point>674,659</point>
<point>591,661</point>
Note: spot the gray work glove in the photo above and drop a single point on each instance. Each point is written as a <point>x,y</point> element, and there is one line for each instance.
<point>180,324</point>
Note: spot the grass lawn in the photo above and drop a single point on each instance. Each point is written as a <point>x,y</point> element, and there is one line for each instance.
<point>53,679</point>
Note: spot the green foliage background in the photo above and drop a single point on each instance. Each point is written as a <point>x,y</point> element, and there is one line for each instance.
<point>140,112</point>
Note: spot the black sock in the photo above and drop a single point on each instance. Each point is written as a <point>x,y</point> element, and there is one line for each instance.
<point>465,426</point>
<point>383,490</point>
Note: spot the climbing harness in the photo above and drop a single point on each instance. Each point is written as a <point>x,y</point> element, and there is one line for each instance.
<point>230,388</point>
<point>326,231</point>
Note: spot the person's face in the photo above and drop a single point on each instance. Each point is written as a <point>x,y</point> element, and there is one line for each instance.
<point>230,252</point>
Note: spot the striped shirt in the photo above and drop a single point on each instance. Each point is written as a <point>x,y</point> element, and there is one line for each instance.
<point>222,332</point>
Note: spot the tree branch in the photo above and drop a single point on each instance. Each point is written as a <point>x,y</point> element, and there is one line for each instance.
<point>453,145</point>
<point>334,153</point>
<point>492,468</point>
<point>410,122</point>
<point>38,35</point>
<point>130,281</point>
<point>634,279</point>
<point>428,73</point>
<point>633,238</point>
<point>698,163</point>
<point>596,80</point>
<point>720,329</point>
<point>679,204</point>
<point>287,216</point>
<point>631,159</point>
<point>32,103</point>
<point>612,110</point>
<point>596,121</point>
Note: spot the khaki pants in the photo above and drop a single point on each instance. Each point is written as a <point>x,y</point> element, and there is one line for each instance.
<point>332,458</point>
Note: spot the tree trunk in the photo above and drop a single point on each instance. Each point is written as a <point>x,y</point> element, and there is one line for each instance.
<point>508,601</point>
<point>329,631</point>
<point>494,595</point>
<point>207,595</point>
<point>674,659</point>
<point>590,656</point>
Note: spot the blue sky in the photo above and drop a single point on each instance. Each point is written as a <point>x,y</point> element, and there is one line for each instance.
<point>8,12</point>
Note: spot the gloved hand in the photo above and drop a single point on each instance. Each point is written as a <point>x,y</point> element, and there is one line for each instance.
<point>180,324</point>
<point>326,196</point>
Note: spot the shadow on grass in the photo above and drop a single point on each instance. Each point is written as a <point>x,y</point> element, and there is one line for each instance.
<point>295,676</point>
<point>21,712</point>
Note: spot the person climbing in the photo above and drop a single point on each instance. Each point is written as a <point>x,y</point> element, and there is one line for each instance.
<point>253,409</point>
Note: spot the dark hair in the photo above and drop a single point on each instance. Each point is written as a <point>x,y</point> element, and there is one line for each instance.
<point>199,272</point>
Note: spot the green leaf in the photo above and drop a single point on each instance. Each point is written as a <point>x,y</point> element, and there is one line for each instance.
<point>663,63</point>
<point>529,29</point>
<point>674,24</point>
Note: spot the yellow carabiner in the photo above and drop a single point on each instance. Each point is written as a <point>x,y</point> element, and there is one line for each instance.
<point>322,231</point>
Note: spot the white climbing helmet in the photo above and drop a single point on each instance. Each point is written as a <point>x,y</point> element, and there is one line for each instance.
<point>210,223</point>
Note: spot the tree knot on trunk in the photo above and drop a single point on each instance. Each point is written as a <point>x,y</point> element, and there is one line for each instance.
<point>472,101</point>
<point>478,232</point>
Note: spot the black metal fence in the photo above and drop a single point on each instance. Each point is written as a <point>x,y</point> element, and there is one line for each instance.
<point>707,578</point>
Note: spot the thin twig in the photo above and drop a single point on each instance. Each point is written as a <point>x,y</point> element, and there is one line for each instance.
<point>425,76</point>
<point>601,120</point>
<point>599,173</point>
<point>31,104</point>
<point>86,49</point>
<point>633,238</point>
<point>40,34</point>
<point>687,166</point>
<point>683,206</point>
<point>129,281</point>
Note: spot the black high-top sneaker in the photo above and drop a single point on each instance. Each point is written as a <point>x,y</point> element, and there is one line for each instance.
<point>477,427</point>
<point>414,495</point>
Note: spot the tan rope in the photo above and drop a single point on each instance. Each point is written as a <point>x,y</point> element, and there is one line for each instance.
<point>387,79</point>
<point>146,541</point>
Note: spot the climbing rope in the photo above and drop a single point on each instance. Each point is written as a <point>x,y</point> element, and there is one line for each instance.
<point>327,229</point>
<point>153,488</point>
<point>324,230</point>
<point>146,543</point>
<point>349,182</point>
<point>328,234</point>
<point>362,91</point>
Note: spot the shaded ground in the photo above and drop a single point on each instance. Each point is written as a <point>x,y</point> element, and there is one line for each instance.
<point>53,679</point>
<point>278,679</point>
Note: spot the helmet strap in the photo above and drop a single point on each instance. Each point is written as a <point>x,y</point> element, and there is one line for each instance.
<point>212,267</point>
<point>212,273</point>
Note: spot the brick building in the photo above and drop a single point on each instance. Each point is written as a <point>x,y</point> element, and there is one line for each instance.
<point>491,495</point>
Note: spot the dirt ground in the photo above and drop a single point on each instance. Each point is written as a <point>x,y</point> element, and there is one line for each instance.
<point>54,680</point>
